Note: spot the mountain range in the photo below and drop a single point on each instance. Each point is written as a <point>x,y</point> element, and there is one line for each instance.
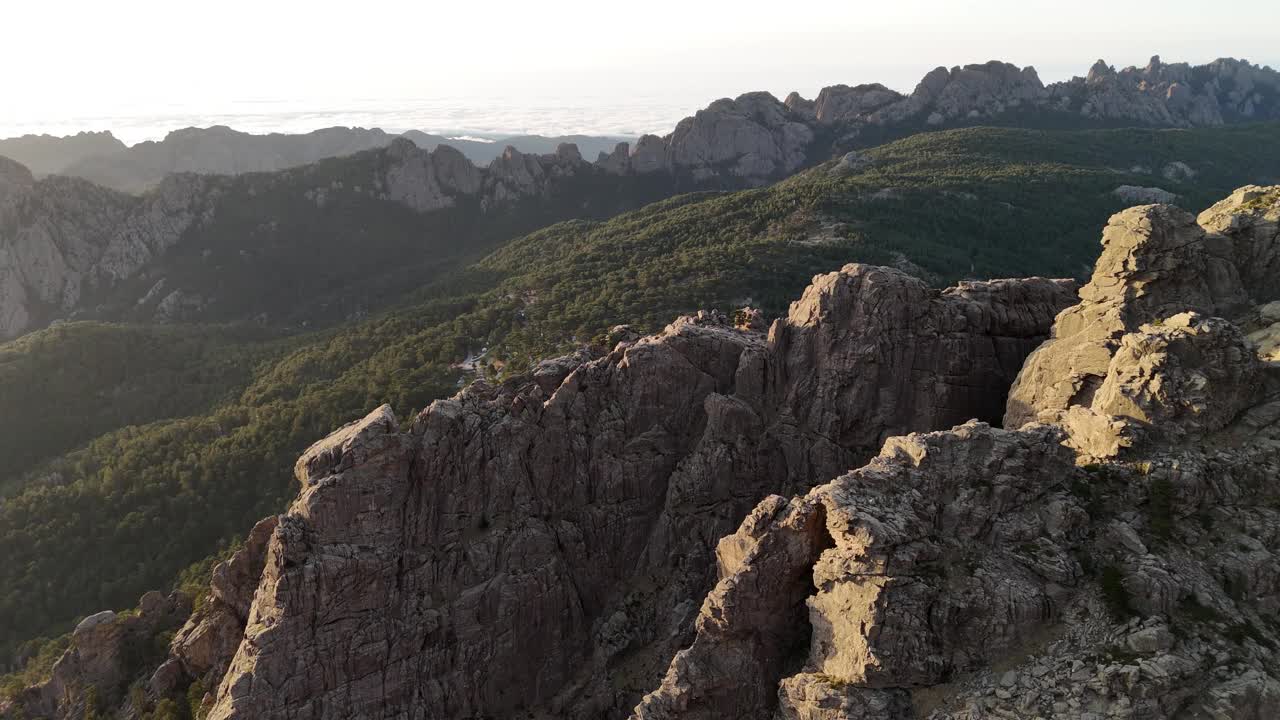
<point>219,150</point>
<point>70,246</point>
<point>753,138</point>
<point>688,432</point>
<point>541,547</point>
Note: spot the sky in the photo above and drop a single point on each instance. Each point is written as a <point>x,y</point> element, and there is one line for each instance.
<point>66,59</point>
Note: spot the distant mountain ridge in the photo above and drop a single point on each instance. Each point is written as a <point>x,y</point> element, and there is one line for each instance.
<point>61,236</point>
<point>220,150</point>
<point>205,247</point>
<point>50,154</point>
<point>745,141</point>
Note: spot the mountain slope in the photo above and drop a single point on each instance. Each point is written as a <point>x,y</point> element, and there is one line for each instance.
<point>307,246</point>
<point>49,155</point>
<point>162,495</point>
<point>538,548</point>
<point>71,383</point>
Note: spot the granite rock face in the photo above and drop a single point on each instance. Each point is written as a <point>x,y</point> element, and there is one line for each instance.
<point>62,238</point>
<point>978,572</point>
<point>1177,94</point>
<point>1146,353</point>
<point>841,102</point>
<point>106,652</point>
<point>1160,94</point>
<point>538,546</point>
<point>751,139</point>
<point>867,575</point>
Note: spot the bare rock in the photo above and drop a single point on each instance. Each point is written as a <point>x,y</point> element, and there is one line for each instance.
<point>844,103</point>
<point>1136,195</point>
<point>754,136</point>
<point>617,162</point>
<point>1245,228</point>
<point>107,650</point>
<point>649,155</point>
<point>557,526</point>
<point>885,611</point>
<point>1141,356</point>
<point>1178,171</point>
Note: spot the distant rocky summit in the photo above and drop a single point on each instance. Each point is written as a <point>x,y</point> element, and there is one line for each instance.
<point>756,137</point>
<point>542,547</point>
<point>50,155</point>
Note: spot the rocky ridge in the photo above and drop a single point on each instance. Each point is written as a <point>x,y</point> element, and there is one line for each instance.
<point>220,150</point>
<point>755,138</point>
<point>65,241</point>
<point>61,240</point>
<point>535,548</point>
<point>560,526</point>
<point>49,154</point>
<point>1113,557</point>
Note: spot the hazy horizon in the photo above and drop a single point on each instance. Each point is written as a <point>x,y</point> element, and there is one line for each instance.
<point>141,68</point>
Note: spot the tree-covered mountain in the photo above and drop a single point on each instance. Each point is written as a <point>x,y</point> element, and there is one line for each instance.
<point>301,247</point>
<point>164,480</point>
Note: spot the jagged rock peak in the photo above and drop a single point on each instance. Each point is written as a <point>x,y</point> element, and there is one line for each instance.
<point>841,102</point>
<point>1148,316</point>
<point>541,544</point>
<point>979,572</point>
<point>1100,72</point>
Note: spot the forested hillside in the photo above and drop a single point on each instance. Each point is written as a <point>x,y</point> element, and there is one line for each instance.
<point>203,438</point>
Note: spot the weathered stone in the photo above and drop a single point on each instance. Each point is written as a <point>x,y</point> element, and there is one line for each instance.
<point>558,526</point>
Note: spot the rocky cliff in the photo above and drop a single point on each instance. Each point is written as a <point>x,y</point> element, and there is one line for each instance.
<point>734,142</point>
<point>755,137</point>
<point>63,238</point>
<point>1114,561</point>
<point>66,244</point>
<point>539,546</point>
